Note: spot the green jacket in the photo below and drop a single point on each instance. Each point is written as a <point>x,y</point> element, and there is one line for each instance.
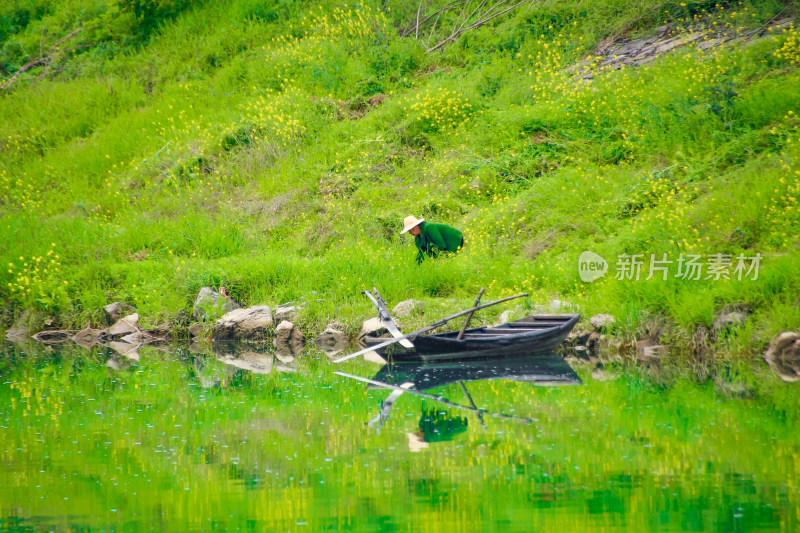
<point>435,238</point>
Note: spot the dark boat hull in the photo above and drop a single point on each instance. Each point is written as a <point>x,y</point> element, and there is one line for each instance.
<point>534,335</point>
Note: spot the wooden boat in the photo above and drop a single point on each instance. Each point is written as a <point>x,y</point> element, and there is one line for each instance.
<point>533,335</point>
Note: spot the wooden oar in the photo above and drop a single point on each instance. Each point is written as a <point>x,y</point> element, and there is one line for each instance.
<point>469,317</point>
<point>386,319</point>
<point>435,325</point>
<point>436,398</point>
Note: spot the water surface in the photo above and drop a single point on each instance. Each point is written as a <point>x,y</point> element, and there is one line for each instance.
<point>192,440</point>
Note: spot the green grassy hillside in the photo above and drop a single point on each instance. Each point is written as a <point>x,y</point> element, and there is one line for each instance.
<point>275,147</point>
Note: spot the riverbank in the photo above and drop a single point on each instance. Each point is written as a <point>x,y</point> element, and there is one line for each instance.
<point>222,325</point>
<point>248,153</point>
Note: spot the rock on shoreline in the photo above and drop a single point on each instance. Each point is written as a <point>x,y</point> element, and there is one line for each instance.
<point>251,323</point>
<point>208,299</point>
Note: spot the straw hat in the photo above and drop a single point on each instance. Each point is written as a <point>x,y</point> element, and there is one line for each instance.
<point>410,222</point>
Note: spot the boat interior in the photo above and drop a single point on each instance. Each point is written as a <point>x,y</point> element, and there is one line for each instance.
<point>524,325</point>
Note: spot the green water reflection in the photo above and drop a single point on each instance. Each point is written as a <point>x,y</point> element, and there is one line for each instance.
<point>188,441</point>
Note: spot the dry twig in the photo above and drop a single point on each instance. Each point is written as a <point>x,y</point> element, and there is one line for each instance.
<point>489,15</point>
<point>469,15</point>
<point>48,58</point>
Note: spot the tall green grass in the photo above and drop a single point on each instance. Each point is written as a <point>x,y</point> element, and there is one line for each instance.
<point>239,146</point>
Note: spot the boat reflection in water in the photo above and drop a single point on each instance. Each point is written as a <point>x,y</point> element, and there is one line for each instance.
<point>440,424</point>
<point>548,370</point>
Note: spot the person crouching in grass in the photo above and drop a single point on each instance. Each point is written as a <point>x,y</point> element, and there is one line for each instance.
<point>432,239</point>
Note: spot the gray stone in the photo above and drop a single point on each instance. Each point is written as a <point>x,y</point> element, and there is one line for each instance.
<point>408,307</point>
<point>284,353</point>
<point>126,349</point>
<point>87,337</point>
<point>783,356</point>
<point>638,52</point>
<point>632,46</point>
<point>140,337</point>
<point>17,335</point>
<point>578,337</point>
<point>283,331</point>
<point>125,326</point>
<point>286,312</point>
<point>288,333</point>
<point>671,44</point>
<point>118,310</point>
<point>196,330</point>
<point>251,323</point>
<point>53,336</point>
<point>705,45</point>
<point>602,322</point>
<point>209,303</point>
<point>331,341</point>
<point>286,369</point>
<point>373,328</point>
<point>258,363</point>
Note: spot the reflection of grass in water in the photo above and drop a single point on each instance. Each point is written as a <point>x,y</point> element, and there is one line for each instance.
<point>287,445</point>
<point>438,425</point>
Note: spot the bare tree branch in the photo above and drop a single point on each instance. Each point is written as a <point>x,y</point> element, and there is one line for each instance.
<point>416,30</point>
<point>483,3</point>
<point>433,28</point>
<point>436,14</point>
<point>455,24</point>
<point>491,9</point>
<point>47,58</point>
<point>482,19</point>
<point>41,42</point>
<point>466,17</point>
